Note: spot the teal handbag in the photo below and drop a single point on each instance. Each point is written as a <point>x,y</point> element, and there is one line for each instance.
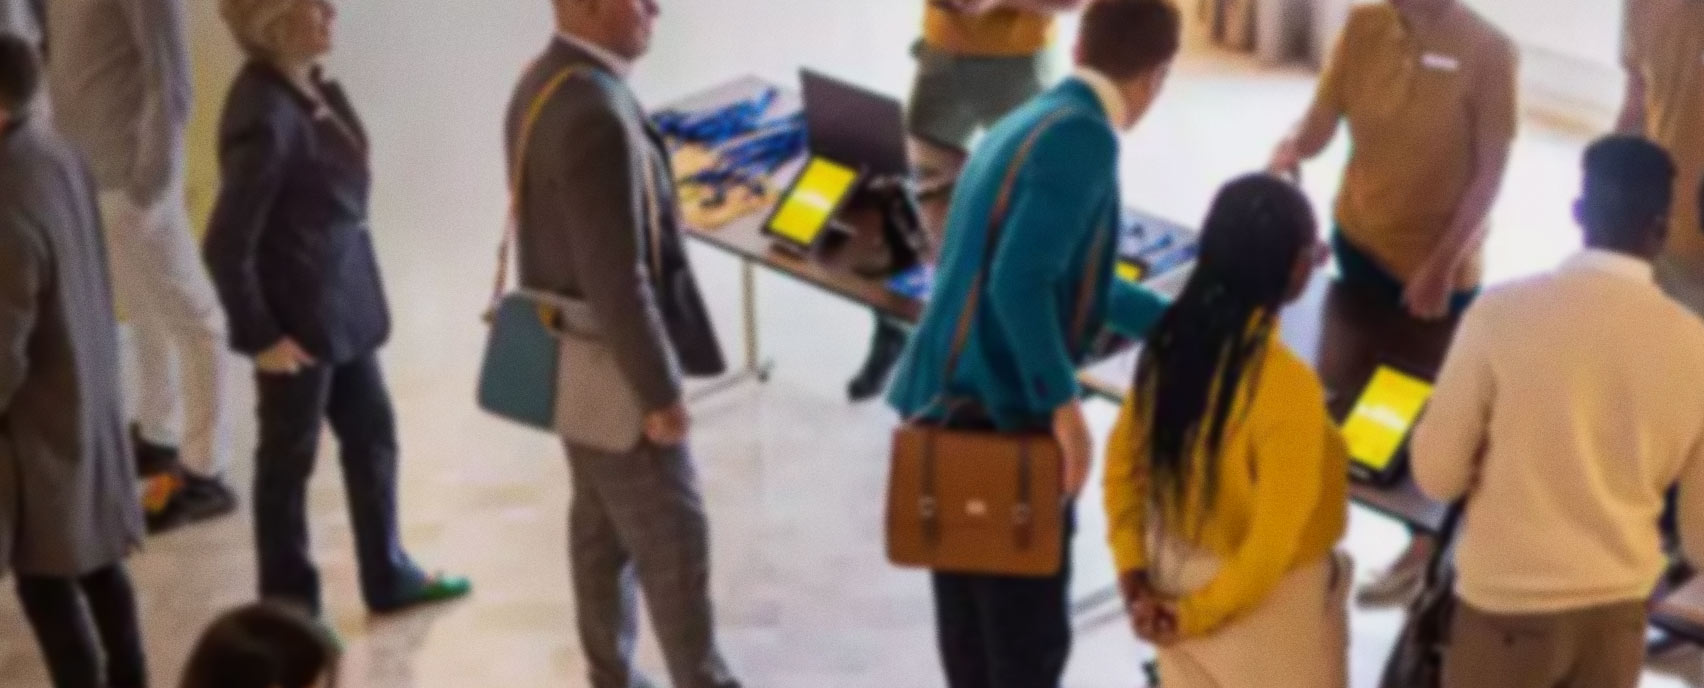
<point>518,377</point>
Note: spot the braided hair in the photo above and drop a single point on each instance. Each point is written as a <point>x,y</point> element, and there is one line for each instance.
<point>1196,358</point>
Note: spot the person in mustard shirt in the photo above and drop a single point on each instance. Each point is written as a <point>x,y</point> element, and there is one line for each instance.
<point>1664,57</point>
<point>978,61</point>
<point>1226,480</point>
<point>1428,89</point>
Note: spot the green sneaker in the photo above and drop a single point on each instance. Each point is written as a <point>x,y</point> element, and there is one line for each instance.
<point>439,588</point>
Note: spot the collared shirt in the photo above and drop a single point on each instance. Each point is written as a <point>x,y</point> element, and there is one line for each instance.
<point>1107,92</point>
<point>120,85</point>
<point>1665,46</point>
<point>1002,32</point>
<point>1567,408</point>
<point>1418,99</point>
<point>616,64</point>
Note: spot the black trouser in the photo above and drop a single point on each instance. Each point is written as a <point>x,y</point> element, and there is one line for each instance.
<point>353,397</point>
<point>1004,631</point>
<point>60,611</point>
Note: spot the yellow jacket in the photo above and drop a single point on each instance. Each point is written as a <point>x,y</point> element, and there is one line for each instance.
<point>998,33</point>
<point>1282,494</point>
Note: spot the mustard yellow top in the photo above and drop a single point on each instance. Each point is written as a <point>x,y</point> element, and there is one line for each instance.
<point>997,33</point>
<point>1283,491</point>
<point>1417,100</point>
<point>1665,45</point>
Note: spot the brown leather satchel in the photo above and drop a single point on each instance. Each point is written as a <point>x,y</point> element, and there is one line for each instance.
<point>981,501</point>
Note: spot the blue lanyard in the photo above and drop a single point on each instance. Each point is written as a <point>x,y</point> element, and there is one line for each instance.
<point>750,162</point>
<point>762,148</point>
<point>715,127</point>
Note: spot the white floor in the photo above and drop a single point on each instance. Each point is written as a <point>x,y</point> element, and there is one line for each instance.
<point>794,474</point>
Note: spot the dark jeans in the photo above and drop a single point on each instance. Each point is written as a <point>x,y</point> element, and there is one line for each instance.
<point>1358,269</point>
<point>353,397</point>
<point>60,611</point>
<point>1005,631</point>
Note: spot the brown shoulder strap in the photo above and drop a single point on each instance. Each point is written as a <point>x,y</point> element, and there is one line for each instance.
<point>1086,289</point>
<point>523,139</point>
<point>996,225</point>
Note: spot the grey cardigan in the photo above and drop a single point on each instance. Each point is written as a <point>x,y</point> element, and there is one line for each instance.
<point>68,502</point>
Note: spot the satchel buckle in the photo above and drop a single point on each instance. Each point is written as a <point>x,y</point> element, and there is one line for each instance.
<point>1021,514</point>
<point>927,507</point>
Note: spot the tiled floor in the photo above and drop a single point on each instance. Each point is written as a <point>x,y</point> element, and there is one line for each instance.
<point>794,474</point>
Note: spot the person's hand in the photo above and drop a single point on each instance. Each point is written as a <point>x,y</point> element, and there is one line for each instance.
<point>1135,586</point>
<point>667,427</point>
<point>1155,620</point>
<point>1076,446</point>
<point>1287,160</point>
<point>284,358</point>
<point>1427,295</point>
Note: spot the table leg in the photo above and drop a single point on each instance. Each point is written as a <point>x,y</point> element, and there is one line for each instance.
<point>755,368</point>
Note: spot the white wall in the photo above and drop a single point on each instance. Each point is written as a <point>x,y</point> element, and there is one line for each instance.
<point>1570,51</point>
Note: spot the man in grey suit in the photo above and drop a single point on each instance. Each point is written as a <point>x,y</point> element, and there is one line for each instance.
<point>69,514</point>
<point>597,223</point>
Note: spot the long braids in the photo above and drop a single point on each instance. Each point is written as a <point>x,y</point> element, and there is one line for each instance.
<point>1194,364</point>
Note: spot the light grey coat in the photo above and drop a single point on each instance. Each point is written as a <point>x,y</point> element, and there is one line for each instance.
<point>21,18</point>
<point>68,498</point>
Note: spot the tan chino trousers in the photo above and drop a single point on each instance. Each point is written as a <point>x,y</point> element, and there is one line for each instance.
<point>1598,647</point>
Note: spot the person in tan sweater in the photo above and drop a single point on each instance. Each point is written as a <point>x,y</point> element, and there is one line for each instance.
<point>1566,409</point>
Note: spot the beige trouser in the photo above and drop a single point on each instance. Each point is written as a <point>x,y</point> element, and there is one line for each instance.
<point>1297,638</point>
<point>1599,647</point>
<point>185,385</point>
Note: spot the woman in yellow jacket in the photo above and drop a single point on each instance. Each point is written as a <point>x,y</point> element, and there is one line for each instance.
<point>1227,482</point>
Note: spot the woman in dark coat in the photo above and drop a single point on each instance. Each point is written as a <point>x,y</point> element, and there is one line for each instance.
<point>292,257</point>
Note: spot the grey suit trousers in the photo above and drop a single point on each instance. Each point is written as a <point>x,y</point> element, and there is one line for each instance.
<point>637,524</point>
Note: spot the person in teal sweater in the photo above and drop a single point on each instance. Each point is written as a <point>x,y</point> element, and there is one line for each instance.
<point>1058,233</point>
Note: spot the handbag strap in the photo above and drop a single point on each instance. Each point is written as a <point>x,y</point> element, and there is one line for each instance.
<point>523,139</point>
<point>996,226</point>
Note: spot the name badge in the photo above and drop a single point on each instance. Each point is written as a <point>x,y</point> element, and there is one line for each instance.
<point>1440,62</point>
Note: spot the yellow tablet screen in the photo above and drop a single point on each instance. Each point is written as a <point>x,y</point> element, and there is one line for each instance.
<point>1129,272</point>
<point>1382,418</point>
<point>812,201</point>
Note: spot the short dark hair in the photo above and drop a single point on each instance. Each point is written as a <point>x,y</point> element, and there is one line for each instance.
<point>20,72</point>
<point>1628,190</point>
<point>263,645</point>
<point>1125,38</point>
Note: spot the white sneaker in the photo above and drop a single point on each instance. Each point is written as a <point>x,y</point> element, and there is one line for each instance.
<point>1394,587</point>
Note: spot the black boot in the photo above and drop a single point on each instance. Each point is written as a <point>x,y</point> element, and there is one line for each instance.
<point>152,459</point>
<point>886,345</point>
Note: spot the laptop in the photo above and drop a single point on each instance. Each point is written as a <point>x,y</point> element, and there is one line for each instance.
<point>855,126</point>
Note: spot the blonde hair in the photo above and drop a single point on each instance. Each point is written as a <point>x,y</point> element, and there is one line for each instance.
<point>251,22</point>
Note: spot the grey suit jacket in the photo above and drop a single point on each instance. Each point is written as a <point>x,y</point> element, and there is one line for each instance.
<point>68,502</point>
<point>585,228</point>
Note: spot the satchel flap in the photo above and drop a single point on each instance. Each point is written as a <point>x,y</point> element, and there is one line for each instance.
<point>976,475</point>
